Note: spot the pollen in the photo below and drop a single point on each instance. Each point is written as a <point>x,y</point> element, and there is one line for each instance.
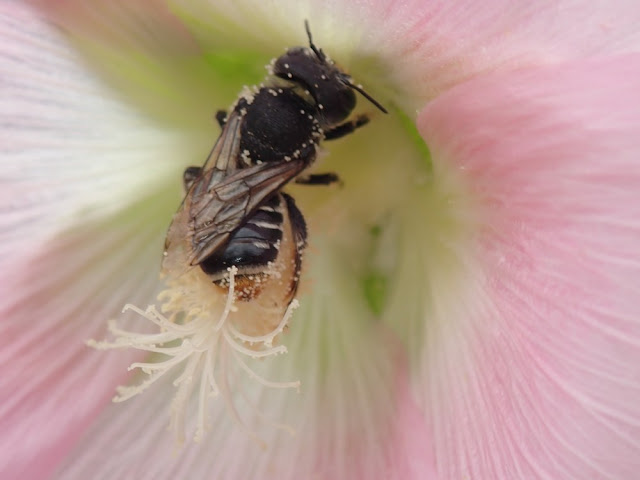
<point>248,94</point>
<point>270,66</point>
<point>204,340</point>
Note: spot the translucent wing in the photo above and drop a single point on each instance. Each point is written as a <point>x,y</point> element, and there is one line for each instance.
<point>229,189</point>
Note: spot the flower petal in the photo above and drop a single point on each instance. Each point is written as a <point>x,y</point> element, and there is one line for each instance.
<point>71,149</point>
<point>353,380</point>
<point>532,368</point>
<point>52,384</point>
<point>79,170</point>
<point>420,48</point>
<point>143,49</point>
<point>431,46</point>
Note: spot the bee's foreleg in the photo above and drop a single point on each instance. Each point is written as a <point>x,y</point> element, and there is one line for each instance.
<point>318,179</point>
<point>346,128</point>
<point>221,117</point>
<point>189,176</point>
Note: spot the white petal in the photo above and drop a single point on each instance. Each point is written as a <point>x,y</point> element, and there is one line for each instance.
<point>79,171</point>
<point>72,150</point>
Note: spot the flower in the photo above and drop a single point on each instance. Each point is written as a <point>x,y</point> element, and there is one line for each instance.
<point>469,311</point>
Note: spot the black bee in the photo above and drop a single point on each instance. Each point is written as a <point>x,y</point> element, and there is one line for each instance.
<point>234,213</point>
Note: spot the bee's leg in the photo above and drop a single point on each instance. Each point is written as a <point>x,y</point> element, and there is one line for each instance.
<point>318,179</point>
<point>189,176</point>
<point>346,128</point>
<point>299,230</point>
<point>221,118</point>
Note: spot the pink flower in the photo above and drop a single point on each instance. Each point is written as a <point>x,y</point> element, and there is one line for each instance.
<point>468,311</point>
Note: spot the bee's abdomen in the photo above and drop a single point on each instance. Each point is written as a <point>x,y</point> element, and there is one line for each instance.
<point>253,245</point>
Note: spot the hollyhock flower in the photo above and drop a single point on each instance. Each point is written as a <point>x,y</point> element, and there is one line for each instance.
<point>469,305</point>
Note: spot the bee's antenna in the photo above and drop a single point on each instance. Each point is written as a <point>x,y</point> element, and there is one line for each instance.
<point>320,54</point>
<point>366,95</point>
<point>318,51</point>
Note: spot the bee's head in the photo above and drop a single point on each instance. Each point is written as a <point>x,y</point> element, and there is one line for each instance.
<point>331,88</point>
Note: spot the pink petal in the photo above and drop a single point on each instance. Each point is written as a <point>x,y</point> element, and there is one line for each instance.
<point>535,369</point>
<point>431,46</point>
<point>52,384</point>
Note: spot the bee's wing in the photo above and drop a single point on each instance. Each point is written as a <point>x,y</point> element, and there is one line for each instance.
<point>216,214</point>
<point>221,199</point>
<point>224,154</point>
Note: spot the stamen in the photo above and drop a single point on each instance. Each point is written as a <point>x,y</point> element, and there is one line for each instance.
<point>199,329</point>
<point>230,297</point>
<point>226,395</point>
<point>209,370</point>
<point>253,353</point>
<point>203,419</point>
<point>180,401</point>
<point>165,365</point>
<point>263,381</point>
<point>268,338</point>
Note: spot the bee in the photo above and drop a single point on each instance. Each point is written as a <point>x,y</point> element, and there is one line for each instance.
<point>234,212</point>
